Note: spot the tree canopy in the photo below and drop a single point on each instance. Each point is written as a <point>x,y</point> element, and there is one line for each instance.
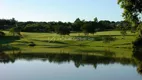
<point>88,28</point>
<point>77,26</point>
<point>132,10</point>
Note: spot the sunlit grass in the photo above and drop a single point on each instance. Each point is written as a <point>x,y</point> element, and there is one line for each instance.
<point>54,43</point>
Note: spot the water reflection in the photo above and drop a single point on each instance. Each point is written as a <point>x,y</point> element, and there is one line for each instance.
<point>138,58</point>
<point>77,59</point>
<point>139,69</point>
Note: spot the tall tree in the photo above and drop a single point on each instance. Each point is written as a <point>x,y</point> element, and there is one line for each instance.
<point>88,28</point>
<point>16,29</point>
<point>133,13</point>
<point>96,19</point>
<point>132,10</point>
<point>62,30</point>
<point>77,25</point>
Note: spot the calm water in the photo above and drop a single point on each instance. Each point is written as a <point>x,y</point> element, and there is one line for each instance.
<point>57,67</point>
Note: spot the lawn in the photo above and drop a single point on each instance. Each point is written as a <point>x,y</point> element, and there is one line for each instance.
<point>76,43</point>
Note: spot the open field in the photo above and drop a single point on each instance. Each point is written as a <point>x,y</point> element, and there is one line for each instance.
<point>76,43</point>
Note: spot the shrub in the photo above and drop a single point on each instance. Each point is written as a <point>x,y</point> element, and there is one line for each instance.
<point>32,44</point>
<point>137,42</point>
<point>2,33</point>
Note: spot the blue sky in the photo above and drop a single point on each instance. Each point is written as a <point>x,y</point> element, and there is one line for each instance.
<point>60,10</point>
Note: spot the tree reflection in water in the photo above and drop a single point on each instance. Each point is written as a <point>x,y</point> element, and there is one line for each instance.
<point>137,55</point>
<point>77,59</point>
<point>139,69</point>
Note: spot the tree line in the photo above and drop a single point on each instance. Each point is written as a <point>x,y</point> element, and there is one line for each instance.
<point>64,28</point>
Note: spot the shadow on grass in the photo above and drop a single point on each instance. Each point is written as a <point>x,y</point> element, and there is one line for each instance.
<point>58,42</point>
<point>23,42</point>
<point>8,39</point>
<point>122,44</point>
<point>55,46</point>
<point>8,48</point>
<point>81,44</point>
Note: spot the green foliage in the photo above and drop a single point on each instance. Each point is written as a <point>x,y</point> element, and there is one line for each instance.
<point>132,10</point>
<point>140,30</point>
<point>88,28</point>
<point>37,27</point>
<point>77,25</point>
<point>62,30</point>
<point>105,25</point>
<point>7,48</point>
<point>2,33</point>
<point>124,25</point>
<point>8,39</point>
<point>15,31</point>
<point>30,26</point>
<point>96,20</point>
<point>132,13</point>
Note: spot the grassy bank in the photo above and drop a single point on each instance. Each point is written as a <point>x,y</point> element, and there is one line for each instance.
<point>76,43</point>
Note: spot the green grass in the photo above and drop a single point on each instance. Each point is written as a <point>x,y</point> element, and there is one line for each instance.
<point>92,44</point>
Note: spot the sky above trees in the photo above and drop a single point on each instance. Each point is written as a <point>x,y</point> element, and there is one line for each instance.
<point>60,10</point>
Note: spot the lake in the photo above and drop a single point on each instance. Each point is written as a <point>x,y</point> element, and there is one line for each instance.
<point>66,67</point>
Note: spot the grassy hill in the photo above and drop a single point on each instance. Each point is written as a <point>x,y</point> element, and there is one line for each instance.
<point>76,43</point>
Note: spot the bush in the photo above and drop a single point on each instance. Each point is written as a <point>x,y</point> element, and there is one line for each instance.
<point>137,42</point>
<point>32,44</point>
<point>62,30</point>
<point>2,33</point>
